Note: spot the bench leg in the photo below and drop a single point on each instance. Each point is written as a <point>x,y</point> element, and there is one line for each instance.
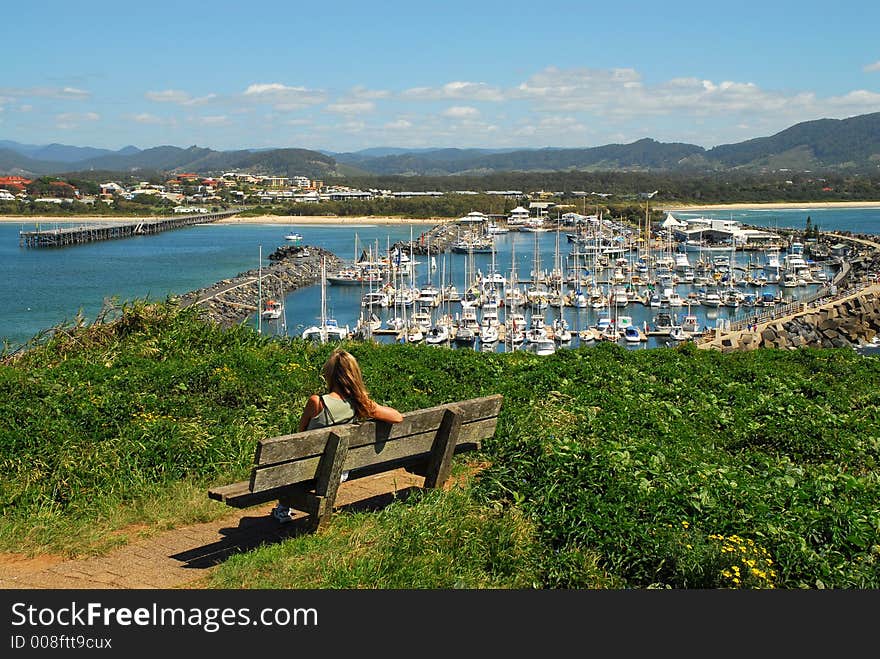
<point>440,462</point>
<point>328,478</point>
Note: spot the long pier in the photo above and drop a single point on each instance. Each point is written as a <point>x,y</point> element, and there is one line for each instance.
<point>90,233</point>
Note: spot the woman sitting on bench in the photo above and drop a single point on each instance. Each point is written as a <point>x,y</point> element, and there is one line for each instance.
<point>347,398</point>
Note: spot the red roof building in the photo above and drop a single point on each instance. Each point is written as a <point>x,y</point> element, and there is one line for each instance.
<point>17,182</point>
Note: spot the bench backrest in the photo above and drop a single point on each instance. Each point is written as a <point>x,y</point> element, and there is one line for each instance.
<point>372,446</point>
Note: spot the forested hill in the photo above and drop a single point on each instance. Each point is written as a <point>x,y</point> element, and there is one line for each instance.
<point>643,154</point>
<point>280,162</point>
<point>825,142</point>
<point>851,145</point>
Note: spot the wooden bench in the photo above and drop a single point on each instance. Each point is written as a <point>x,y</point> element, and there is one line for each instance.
<point>303,470</point>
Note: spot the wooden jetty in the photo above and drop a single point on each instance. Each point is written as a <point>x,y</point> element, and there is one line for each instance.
<point>64,237</point>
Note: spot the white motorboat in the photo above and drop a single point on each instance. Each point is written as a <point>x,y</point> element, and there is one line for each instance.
<point>414,333</point>
<point>375,299</point>
<point>545,346</point>
<point>464,336</point>
<point>537,330</point>
<point>438,334</point>
<point>561,331</point>
<point>631,334</point>
<point>329,331</point>
<point>488,333</point>
<point>272,309</point>
<point>423,318</point>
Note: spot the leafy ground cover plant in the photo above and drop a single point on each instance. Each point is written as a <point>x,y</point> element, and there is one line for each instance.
<point>668,468</point>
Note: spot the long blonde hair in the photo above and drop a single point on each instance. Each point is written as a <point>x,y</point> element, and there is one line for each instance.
<point>342,374</point>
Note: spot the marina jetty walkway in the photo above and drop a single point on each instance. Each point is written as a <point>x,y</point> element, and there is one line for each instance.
<point>180,557</point>
<point>844,313</point>
<point>89,233</point>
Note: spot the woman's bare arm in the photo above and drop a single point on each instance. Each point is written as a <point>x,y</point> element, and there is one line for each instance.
<point>386,414</point>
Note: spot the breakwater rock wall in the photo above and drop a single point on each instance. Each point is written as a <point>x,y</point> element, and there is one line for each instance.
<point>847,313</point>
<point>436,240</point>
<point>231,301</point>
<point>848,322</point>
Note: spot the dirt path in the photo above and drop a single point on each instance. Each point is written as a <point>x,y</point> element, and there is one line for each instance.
<point>177,558</point>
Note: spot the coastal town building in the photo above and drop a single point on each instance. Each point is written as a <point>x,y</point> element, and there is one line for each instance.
<point>14,183</point>
<point>714,231</point>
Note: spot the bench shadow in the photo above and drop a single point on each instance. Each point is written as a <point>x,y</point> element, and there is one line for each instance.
<point>254,532</point>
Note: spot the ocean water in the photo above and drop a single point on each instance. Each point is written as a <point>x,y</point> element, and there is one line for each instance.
<point>45,287</point>
<point>856,220</point>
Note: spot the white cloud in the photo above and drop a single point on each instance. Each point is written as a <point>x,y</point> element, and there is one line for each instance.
<point>73,92</point>
<point>78,116</point>
<point>178,97</point>
<point>145,118</point>
<point>168,96</point>
<point>268,88</point>
<point>621,95</point>
<point>352,107</point>
<point>858,101</point>
<point>461,112</point>
<point>871,68</point>
<point>352,126</point>
<point>283,97</point>
<point>398,124</point>
<point>70,120</point>
<point>69,93</point>
<point>372,94</point>
<point>474,91</point>
<point>214,120</point>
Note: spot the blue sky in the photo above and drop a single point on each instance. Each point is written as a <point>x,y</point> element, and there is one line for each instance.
<point>345,75</point>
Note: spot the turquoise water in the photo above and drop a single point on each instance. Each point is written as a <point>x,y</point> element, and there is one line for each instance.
<point>856,220</point>
<point>45,287</point>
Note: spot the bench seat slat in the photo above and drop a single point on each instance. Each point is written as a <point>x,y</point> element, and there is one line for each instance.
<point>286,467</point>
<point>312,442</point>
<point>417,447</point>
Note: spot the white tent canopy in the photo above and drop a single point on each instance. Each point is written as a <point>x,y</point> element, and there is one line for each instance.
<point>672,222</point>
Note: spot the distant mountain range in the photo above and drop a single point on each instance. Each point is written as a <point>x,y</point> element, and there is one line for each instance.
<point>825,144</point>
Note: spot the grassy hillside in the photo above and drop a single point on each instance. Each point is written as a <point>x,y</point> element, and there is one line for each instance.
<point>610,468</point>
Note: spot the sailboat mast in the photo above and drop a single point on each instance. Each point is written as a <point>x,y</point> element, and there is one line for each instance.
<point>323,299</point>
<point>260,294</point>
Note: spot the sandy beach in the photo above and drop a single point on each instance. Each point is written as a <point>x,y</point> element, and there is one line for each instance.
<point>328,219</point>
<point>288,220</point>
<point>292,220</point>
<point>773,205</point>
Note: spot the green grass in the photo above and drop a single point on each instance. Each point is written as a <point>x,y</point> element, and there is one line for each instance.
<point>435,540</point>
<point>668,468</point>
